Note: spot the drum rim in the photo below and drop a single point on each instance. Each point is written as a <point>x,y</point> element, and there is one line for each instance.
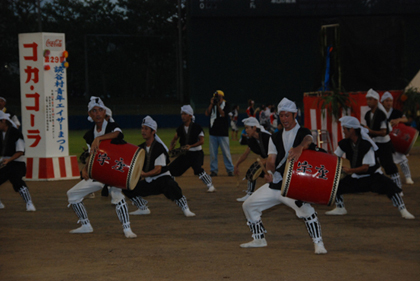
<point>336,181</point>
<point>90,163</point>
<point>287,177</point>
<point>413,142</point>
<point>130,170</point>
<point>254,177</point>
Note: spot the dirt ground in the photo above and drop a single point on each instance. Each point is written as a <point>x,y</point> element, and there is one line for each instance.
<point>372,242</point>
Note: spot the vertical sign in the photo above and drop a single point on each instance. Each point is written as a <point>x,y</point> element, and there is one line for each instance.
<point>43,94</point>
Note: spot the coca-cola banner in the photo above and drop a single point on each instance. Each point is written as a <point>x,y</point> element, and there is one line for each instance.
<point>42,62</point>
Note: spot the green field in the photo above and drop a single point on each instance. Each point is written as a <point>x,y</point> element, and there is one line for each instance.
<point>77,143</point>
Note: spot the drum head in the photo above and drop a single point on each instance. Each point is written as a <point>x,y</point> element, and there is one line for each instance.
<point>135,168</point>
<point>287,177</point>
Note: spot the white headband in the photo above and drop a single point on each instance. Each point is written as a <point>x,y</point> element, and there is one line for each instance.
<point>96,101</point>
<point>251,121</point>
<point>149,122</point>
<point>387,95</point>
<point>188,110</point>
<point>6,116</point>
<point>372,94</point>
<point>286,105</point>
<point>352,122</point>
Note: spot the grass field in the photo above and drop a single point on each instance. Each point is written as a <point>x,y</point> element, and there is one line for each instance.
<point>77,143</point>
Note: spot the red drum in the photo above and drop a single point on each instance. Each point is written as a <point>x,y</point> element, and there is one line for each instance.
<point>118,165</point>
<point>403,138</point>
<point>313,178</point>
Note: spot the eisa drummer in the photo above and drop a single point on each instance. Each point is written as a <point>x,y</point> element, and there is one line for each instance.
<point>377,124</point>
<point>155,176</point>
<point>101,131</point>
<point>257,141</point>
<point>287,143</point>
<point>364,174</point>
<point>394,118</point>
<point>191,136</point>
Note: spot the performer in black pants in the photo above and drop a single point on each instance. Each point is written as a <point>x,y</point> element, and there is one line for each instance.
<point>258,139</point>
<point>191,137</point>
<point>377,124</point>
<point>365,173</point>
<point>156,178</point>
<point>394,117</point>
<point>12,162</point>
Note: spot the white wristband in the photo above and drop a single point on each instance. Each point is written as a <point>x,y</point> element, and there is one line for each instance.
<point>270,172</point>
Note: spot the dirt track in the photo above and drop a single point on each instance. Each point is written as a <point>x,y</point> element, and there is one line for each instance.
<point>372,242</point>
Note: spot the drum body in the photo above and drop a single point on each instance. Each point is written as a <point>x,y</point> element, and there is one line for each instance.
<point>118,165</point>
<point>313,178</point>
<point>403,138</point>
<point>254,171</point>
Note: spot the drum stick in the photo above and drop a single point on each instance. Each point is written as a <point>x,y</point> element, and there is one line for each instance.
<point>237,181</point>
<point>262,165</point>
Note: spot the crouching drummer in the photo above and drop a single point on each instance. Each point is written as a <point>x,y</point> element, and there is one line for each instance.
<point>365,173</point>
<point>102,130</point>
<point>288,143</point>
<point>155,177</point>
<point>257,142</point>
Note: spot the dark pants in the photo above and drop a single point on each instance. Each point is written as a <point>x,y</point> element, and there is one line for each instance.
<point>14,172</point>
<point>165,185</point>
<point>384,154</point>
<point>377,183</point>
<point>192,159</point>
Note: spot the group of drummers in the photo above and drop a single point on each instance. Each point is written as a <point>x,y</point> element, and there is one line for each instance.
<point>285,158</point>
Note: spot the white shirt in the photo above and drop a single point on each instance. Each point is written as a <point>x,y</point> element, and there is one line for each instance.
<point>368,159</point>
<point>159,161</point>
<point>384,125</point>
<point>102,131</point>
<point>288,139</point>
<point>197,148</point>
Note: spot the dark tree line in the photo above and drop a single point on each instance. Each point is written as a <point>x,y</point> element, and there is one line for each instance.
<point>124,50</point>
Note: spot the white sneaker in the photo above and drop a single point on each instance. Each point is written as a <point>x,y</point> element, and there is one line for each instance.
<point>242,199</point>
<point>405,214</point>
<point>85,228</point>
<point>139,212</point>
<point>1,205</point>
<point>129,233</point>
<point>256,243</point>
<point>409,181</point>
<point>92,195</point>
<point>211,189</point>
<point>320,249</point>
<point>188,213</point>
<point>30,207</point>
<point>337,212</point>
